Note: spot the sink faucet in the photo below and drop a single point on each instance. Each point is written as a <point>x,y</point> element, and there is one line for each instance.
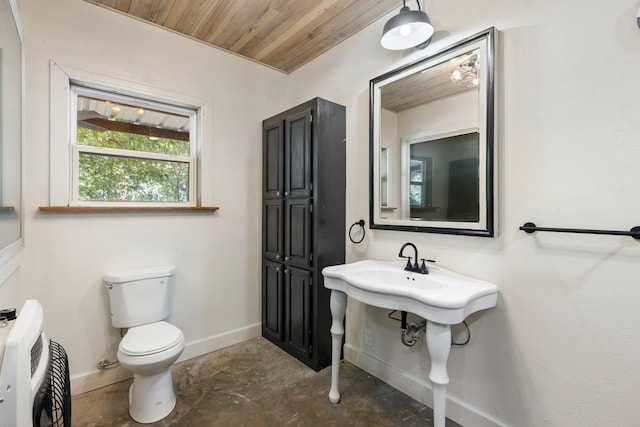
<point>422,269</point>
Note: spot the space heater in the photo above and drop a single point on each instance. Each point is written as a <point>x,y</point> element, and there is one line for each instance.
<point>34,375</point>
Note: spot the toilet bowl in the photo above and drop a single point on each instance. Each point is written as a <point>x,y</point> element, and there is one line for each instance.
<point>148,351</point>
<point>140,301</point>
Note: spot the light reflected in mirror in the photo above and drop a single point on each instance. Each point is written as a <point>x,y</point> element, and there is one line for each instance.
<point>432,142</point>
<point>10,127</point>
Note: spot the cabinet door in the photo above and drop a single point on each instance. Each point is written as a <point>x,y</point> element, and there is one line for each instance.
<point>298,311</point>
<point>297,181</point>
<point>273,160</point>
<point>272,229</point>
<point>272,301</point>
<point>297,233</point>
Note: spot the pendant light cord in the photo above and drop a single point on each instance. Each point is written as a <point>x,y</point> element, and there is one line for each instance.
<point>404,4</point>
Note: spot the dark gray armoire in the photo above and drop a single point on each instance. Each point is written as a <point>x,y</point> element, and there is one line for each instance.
<point>303,226</point>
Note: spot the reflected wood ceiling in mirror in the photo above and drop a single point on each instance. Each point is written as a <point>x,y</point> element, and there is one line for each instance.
<point>423,87</point>
<point>282,34</point>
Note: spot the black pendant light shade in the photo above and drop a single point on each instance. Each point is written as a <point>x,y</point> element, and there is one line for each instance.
<point>409,28</point>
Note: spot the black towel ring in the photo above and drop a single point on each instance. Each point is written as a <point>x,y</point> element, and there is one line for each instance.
<point>361,224</point>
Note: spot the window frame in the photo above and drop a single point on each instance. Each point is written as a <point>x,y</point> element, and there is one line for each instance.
<point>62,130</point>
<point>78,89</point>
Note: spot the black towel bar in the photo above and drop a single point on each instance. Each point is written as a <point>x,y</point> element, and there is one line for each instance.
<point>530,227</point>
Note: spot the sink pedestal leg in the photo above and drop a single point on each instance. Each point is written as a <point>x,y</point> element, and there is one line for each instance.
<point>338,304</point>
<point>439,345</point>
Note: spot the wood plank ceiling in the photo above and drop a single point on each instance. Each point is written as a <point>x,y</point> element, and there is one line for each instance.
<point>282,34</point>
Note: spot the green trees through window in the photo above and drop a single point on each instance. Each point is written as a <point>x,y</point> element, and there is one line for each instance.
<point>122,174</point>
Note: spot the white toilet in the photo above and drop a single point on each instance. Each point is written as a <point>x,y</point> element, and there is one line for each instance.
<point>140,300</point>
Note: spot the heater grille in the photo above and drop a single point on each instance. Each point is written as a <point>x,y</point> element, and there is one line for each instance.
<point>52,404</point>
<point>36,354</point>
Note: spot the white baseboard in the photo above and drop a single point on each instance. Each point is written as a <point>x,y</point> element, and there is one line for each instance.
<point>418,389</point>
<point>216,342</point>
<point>99,378</point>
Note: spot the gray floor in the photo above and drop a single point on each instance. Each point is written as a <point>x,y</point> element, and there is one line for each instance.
<point>257,384</point>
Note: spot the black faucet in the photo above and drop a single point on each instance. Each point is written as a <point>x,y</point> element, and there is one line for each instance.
<point>422,269</point>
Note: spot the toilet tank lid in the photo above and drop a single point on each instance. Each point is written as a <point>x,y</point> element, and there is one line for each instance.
<point>140,274</point>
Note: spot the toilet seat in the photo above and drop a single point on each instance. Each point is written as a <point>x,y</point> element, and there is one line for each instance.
<point>150,339</point>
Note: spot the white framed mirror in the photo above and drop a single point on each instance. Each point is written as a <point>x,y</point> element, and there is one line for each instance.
<point>11,75</point>
<point>432,142</point>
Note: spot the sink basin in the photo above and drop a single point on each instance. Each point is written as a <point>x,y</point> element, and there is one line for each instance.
<point>416,282</point>
<point>441,296</point>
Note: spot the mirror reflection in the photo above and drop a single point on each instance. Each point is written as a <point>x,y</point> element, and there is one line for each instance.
<point>432,142</point>
<point>447,190</point>
<point>10,127</point>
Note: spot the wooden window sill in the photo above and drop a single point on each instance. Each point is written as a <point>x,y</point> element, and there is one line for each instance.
<point>65,209</point>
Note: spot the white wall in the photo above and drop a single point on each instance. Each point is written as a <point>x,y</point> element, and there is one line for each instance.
<point>10,279</point>
<point>217,294</point>
<point>561,348</point>
<point>455,112</point>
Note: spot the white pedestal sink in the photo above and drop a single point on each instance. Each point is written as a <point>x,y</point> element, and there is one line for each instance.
<point>442,297</point>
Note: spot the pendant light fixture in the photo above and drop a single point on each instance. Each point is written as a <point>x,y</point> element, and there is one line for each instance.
<point>409,28</point>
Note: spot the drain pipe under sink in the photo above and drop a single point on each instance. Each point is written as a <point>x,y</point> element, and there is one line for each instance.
<point>409,335</point>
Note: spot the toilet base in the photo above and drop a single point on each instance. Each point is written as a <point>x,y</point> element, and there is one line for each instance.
<point>151,398</point>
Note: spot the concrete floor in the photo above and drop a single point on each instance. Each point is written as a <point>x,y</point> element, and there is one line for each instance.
<point>256,384</point>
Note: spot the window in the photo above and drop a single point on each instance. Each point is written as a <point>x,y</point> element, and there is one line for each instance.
<point>129,150</point>
<point>102,157</point>
<point>420,182</point>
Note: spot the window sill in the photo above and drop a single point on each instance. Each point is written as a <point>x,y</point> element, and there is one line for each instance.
<point>78,209</point>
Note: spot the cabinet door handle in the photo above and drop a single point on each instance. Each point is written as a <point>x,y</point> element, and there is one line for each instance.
<point>286,193</point>
<point>287,258</point>
<point>286,271</point>
<point>278,270</point>
<point>278,193</point>
<point>278,256</point>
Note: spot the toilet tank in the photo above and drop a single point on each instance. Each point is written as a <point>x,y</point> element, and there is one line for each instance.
<point>141,296</point>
